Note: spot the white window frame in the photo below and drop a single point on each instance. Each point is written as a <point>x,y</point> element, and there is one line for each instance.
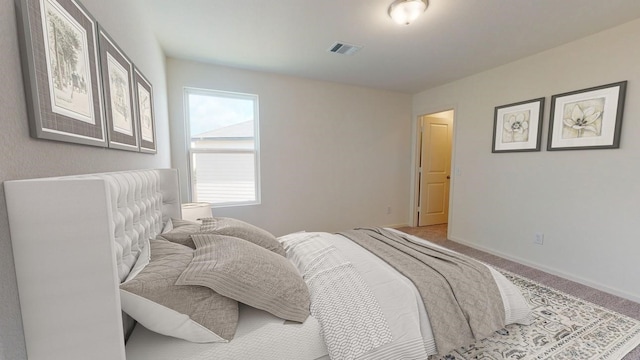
<point>256,141</point>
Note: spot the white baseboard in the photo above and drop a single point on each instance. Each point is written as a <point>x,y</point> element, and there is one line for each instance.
<point>550,270</point>
<point>396,226</point>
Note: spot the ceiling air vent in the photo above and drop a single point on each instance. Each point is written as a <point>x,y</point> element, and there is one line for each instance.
<point>344,49</point>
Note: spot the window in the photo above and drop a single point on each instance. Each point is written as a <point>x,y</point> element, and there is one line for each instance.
<point>223,147</point>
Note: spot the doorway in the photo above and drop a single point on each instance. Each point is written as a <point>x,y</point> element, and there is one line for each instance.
<point>434,168</point>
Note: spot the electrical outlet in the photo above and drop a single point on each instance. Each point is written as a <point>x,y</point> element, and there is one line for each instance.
<point>539,239</point>
<point>388,210</point>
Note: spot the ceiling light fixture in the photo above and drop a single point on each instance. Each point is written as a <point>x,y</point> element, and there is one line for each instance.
<point>404,12</point>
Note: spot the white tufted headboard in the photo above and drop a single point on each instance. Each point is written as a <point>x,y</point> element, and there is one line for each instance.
<point>74,239</point>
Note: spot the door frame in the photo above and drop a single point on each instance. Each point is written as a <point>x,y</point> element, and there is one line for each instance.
<point>415,183</point>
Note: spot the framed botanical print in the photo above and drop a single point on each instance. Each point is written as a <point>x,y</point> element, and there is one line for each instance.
<point>118,90</point>
<point>59,50</point>
<point>518,126</point>
<point>144,110</point>
<point>587,119</point>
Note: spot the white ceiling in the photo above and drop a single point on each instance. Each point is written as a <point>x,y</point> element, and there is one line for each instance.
<point>451,40</point>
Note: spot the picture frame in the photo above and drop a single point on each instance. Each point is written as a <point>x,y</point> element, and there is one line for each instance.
<point>60,65</point>
<point>587,119</point>
<point>145,114</point>
<point>118,94</point>
<point>517,127</point>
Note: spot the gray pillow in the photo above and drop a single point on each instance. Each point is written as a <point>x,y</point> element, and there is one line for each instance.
<point>249,274</point>
<point>240,229</point>
<point>153,299</point>
<point>181,232</point>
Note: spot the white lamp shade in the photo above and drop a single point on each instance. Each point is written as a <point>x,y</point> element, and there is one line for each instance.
<point>196,211</point>
<point>404,12</point>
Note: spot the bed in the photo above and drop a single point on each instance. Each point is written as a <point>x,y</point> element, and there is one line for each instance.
<point>78,239</point>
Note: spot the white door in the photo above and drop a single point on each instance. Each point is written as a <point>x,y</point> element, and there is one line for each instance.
<point>435,166</point>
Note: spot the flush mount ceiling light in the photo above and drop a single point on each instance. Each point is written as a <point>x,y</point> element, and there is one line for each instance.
<point>404,12</point>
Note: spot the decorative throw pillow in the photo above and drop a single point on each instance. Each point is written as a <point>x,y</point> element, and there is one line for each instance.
<point>240,229</point>
<point>181,232</point>
<point>143,260</point>
<point>249,274</point>
<point>192,313</point>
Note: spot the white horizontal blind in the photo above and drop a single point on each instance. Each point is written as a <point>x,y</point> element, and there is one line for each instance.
<point>223,147</point>
<point>224,177</point>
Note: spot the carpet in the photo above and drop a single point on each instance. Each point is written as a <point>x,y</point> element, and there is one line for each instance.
<point>564,328</point>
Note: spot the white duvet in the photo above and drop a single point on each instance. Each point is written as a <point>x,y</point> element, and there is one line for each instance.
<point>396,295</point>
<point>361,308</point>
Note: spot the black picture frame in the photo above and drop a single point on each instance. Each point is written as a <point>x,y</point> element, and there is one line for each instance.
<point>587,119</point>
<point>145,114</point>
<point>517,127</point>
<point>118,93</point>
<point>59,49</point>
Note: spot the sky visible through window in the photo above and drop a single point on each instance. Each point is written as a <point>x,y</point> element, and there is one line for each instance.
<point>210,112</point>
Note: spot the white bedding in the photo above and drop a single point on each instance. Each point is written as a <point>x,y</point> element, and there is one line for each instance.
<point>263,336</point>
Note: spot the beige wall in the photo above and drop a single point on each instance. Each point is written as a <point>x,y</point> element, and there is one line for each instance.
<point>24,157</point>
<point>585,202</point>
<point>332,156</point>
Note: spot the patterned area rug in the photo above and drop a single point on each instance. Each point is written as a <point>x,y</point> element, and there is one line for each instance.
<point>564,328</point>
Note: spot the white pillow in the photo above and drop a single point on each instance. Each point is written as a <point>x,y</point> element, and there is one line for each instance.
<point>143,260</point>
<point>167,227</point>
<point>165,321</point>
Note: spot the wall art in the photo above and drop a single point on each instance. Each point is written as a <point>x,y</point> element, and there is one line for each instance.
<point>61,71</point>
<point>144,110</point>
<point>587,119</point>
<point>518,126</point>
<point>118,91</point>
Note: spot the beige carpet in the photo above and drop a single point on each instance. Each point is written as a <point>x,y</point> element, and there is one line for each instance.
<point>438,234</point>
